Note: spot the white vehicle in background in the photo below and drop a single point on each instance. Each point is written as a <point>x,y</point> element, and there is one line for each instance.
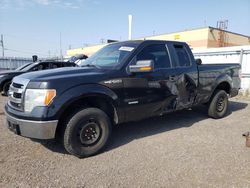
<point>78,59</point>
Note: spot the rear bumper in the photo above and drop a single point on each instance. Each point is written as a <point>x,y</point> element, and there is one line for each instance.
<point>32,129</point>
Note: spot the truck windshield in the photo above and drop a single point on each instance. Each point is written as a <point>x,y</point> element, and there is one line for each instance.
<point>110,56</point>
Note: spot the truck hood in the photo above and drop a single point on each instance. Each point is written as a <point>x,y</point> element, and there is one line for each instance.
<point>62,73</point>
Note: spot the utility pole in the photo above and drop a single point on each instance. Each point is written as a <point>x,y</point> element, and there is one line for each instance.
<point>102,40</point>
<point>61,57</point>
<point>1,41</point>
<point>129,27</point>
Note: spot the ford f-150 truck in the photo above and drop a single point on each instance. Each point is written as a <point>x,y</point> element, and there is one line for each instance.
<point>124,81</point>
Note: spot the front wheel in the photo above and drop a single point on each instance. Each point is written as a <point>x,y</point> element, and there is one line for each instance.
<point>87,132</point>
<point>218,106</point>
<point>6,87</point>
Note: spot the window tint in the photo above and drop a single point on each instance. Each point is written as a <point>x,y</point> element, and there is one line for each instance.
<point>38,67</point>
<point>54,66</point>
<point>182,55</point>
<point>46,66</point>
<point>156,52</point>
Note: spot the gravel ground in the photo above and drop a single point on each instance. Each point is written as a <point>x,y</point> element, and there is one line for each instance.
<point>182,149</point>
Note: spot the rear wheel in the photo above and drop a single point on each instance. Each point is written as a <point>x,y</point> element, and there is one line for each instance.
<point>87,132</point>
<point>219,105</point>
<point>6,87</point>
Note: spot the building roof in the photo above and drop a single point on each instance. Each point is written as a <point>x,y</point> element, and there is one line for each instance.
<point>199,28</point>
<point>229,31</point>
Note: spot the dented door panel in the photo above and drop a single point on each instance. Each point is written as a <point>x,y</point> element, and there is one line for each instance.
<point>147,94</point>
<point>187,87</point>
<point>186,77</point>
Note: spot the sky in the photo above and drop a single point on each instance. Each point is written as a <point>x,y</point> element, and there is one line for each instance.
<point>34,26</point>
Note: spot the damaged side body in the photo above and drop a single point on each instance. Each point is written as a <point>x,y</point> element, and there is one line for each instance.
<point>175,83</point>
<point>171,86</point>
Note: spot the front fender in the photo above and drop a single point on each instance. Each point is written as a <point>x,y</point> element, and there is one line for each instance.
<point>63,100</point>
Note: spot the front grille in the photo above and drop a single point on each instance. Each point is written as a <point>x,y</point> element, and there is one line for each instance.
<point>16,85</point>
<point>16,93</point>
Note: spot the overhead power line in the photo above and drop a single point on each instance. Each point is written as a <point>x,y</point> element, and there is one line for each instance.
<point>21,51</point>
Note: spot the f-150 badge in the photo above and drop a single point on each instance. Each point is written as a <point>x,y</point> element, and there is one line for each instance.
<point>113,81</point>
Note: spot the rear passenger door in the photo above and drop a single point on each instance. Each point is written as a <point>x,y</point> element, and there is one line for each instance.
<point>186,77</point>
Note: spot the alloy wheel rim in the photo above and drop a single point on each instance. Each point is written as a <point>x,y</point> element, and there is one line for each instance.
<point>220,104</point>
<point>90,133</point>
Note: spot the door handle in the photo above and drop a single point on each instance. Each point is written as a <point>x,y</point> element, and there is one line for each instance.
<point>172,78</point>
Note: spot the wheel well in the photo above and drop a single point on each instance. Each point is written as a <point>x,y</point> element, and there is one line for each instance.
<point>6,81</point>
<point>90,101</point>
<point>224,86</point>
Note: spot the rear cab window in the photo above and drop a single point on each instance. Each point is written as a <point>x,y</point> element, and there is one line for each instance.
<point>181,56</point>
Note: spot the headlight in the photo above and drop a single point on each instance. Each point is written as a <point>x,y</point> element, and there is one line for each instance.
<point>38,97</point>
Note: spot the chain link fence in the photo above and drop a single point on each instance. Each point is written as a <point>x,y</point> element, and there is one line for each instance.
<point>10,63</point>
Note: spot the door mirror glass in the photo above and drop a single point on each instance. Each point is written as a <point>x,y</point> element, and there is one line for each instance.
<point>142,66</point>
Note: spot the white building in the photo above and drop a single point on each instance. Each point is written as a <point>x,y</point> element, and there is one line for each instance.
<point>236,54</point>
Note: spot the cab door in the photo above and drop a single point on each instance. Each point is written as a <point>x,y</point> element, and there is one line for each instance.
<point>150,93</point>
<point>186,77</point>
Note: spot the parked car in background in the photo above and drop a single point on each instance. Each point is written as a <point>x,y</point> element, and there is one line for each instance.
<point>22,67</point>
<point>7,76</point>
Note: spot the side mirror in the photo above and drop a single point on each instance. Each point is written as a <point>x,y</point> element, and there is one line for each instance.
<point>198,61</point>
<point>142,66</point>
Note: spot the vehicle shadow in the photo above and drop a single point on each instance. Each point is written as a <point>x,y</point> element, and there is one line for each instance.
<point>127,132</point>
<point>52,145</point>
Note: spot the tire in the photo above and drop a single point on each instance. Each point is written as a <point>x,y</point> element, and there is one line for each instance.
<point>6,87</point>
<point>218,105</point>
<point>87,132</point>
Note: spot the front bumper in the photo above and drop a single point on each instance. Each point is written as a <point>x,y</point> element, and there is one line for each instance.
<point>32,129</point>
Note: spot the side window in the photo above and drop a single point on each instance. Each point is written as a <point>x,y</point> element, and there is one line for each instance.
<point>45,66</point>
<point>34,68</point>
<point>54,66</point>
<point>182,56</point>
<point>156,52</point>
<point>37,67</point>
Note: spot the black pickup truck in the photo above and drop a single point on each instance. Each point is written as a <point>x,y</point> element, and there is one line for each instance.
<point>124,81</point>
